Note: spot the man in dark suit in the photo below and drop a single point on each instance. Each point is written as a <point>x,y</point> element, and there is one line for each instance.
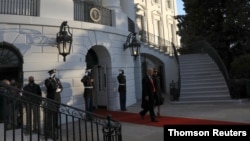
<point>33,93</point>
<point>158,96</point>
<point>4,106</point>
<point>148,91</point>
<point>54,90</point>
<point>122,90</point>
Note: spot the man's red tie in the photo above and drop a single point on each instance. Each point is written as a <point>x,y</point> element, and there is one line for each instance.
<point>152,82</point>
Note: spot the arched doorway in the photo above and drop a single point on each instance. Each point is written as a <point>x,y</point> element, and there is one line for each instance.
<point>98,60</point>
<point>91,59</point>
<point>11,63</point>
<point>152,61</point>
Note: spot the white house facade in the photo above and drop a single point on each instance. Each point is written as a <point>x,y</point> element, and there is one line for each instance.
<point>100,28</point>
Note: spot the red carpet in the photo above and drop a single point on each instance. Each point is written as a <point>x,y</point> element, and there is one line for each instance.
<point>163,120</point>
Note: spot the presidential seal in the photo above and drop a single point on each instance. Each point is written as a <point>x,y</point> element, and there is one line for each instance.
<point>95,14</point>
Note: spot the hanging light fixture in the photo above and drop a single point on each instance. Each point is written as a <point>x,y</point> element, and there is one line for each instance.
<point>64,40</point>
<point>133,44</point>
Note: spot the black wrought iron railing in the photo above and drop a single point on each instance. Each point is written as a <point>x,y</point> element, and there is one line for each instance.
<point>66,124</point>
<point>179,72</point>
<point>207,48</point>
<point>156,41</point>
<point>85,11</point>
<point>92,12</point>
<point>20,7</point>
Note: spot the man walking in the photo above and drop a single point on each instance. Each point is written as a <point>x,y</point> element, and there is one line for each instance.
<point>158,96</point>
<point>148,91</point>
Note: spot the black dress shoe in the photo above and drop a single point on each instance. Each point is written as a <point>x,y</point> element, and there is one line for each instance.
<point>142,116</point>
<point>154,120</point>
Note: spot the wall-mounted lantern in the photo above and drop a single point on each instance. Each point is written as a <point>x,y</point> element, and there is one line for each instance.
<point>64,40</point>
<point>133,44</point>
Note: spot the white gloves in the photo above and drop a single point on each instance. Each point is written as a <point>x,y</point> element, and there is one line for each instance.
<point>58,90</point>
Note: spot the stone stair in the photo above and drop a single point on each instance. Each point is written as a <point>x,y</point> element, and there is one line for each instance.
<point>201,80</point>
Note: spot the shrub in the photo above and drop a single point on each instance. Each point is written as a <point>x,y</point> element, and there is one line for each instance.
<point>238,88</point>
<point>240,67</point>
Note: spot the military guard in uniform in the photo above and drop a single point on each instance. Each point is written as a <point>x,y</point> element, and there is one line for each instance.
<point>122,90</point>
<point>54,90</point>
<point>88,83</point>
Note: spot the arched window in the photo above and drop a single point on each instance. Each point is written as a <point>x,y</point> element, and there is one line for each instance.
<point>11,63</point>
<point>9,55</point>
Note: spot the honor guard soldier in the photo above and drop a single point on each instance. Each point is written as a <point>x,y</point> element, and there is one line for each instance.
<point>54,90</point>
<point>122,89</point>
<point>88,83</point>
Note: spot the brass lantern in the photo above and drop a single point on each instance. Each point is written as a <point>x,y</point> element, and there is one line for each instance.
<point>133,44</point>
<point>64,40</point>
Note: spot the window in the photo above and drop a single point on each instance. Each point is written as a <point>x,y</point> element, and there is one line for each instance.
<point>156,1</point>
<point>156,31</point>
<point>172,32</point>
<point>131,25</point>
<point>140,22</point>
<point>169,4</point>
<point>141,27</point>
<point>9,54</point>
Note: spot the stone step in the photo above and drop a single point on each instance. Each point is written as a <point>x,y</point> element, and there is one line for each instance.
<point>208,101</point>
<point>201,84</point>
<point>201,80</point>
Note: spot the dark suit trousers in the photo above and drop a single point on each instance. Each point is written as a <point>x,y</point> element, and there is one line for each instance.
<point>151,112</point>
